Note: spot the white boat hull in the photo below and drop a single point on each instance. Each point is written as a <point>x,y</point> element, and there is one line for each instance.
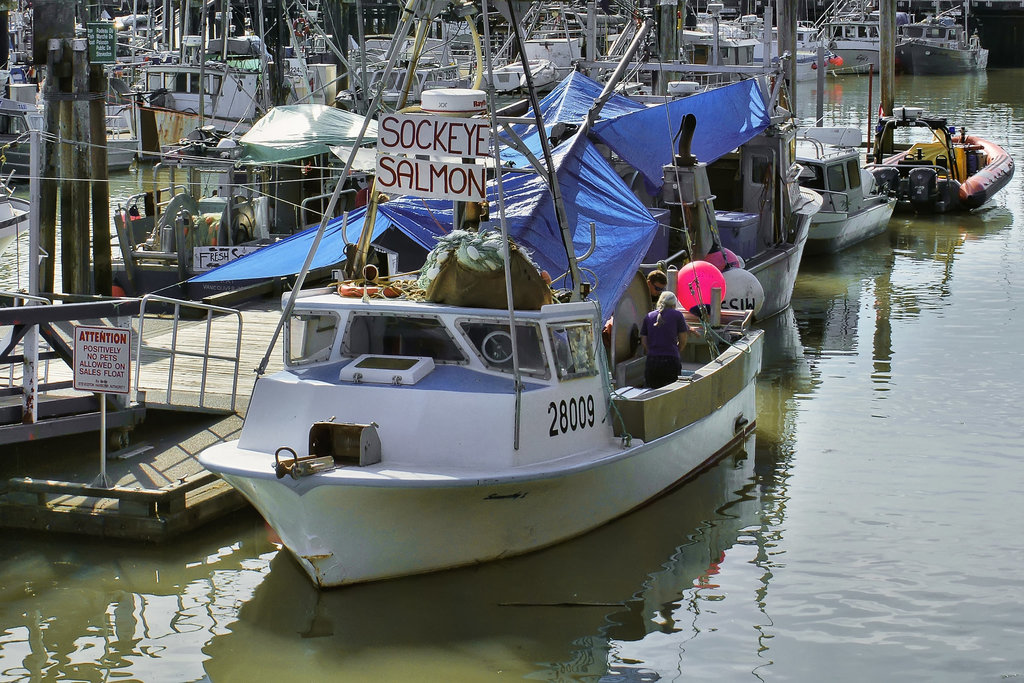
<point>13,220</point>
<point>832,232</point>
<point>361,531</point>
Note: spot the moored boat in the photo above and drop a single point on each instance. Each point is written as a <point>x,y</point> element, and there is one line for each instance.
<point>852,208</point>
<point>437,424</point>
<point>939,45</point>
<point>406,447</point>
<point>947,172</point>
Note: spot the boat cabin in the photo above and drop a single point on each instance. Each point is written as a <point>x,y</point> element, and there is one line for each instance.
<point>936,33</point>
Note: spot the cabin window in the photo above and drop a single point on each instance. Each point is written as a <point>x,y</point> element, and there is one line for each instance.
<point>8,125</point>
<point>812,177</point>
<point>181,83</point>
<point>573,345</point>
<point>853,173</point>
<point>836,178</point>
<point>393,335</point>
<point>493,344</point>
<point>761,170</point>
<point>311,337</point>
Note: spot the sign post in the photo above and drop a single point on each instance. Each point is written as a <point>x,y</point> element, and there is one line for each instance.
<point>102,364</point>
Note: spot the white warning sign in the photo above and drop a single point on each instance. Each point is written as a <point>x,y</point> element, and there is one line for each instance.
<point>102,359</point>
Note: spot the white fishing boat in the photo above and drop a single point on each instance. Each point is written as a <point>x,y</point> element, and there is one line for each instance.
<point>404,446</point>
<point>853,208</point>
<point>411,432</point>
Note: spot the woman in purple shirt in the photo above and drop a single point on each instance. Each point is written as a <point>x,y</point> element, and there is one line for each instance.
<point>663,334</point>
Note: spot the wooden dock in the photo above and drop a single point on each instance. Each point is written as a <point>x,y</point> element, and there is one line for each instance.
<point>157,489</point>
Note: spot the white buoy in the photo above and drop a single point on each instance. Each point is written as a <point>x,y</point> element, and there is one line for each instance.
<point>743,291</point>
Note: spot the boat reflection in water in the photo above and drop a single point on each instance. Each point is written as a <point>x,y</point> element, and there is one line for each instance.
<point>563,610</point>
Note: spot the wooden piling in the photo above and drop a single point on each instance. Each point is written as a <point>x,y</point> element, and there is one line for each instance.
<point>50,162</point>
<point>81,173</point>
<point>887,59</point>
<point>70,255</point>
<point>102,268</point>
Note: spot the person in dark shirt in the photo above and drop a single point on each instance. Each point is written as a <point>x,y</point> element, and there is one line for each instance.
<point>663,334</point>
<point>657,282</point>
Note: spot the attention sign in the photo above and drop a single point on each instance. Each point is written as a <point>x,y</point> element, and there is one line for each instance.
<point>102,359</point>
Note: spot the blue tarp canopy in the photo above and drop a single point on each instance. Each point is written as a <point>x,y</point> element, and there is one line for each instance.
<point>727,117</point>
<point>646,137</point>
<point>591,191</point>
<point>573,97</point>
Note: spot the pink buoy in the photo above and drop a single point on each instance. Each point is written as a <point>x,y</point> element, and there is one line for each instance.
<point>723,259</point>
<point>695,282</point>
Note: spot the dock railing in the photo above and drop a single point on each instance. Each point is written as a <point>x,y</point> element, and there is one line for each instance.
<point>191,350</point>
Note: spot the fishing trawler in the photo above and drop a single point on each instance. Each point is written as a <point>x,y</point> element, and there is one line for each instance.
<point>474,414</point>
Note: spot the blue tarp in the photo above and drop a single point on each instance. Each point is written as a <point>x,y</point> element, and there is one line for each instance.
<point>646,137</point>
<point>727,117</point>
<point>591,191</point>
<point>573,97</point>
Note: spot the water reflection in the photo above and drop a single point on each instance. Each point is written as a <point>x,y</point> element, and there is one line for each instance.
<point>570,611</point>
<point>89,611</point>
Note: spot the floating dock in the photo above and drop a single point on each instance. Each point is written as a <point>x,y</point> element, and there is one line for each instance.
<point>192,378</point>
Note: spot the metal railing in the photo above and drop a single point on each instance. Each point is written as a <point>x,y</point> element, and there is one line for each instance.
<point>15,297</point>
<point>173,352</point>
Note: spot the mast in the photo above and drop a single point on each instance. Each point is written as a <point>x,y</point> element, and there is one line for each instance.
<point>556,195</point>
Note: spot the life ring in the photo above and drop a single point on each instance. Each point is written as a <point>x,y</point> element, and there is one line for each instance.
<point>357,290</point>
<point>352,289</point>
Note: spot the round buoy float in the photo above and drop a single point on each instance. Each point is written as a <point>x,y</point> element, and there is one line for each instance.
<point>695,282</point>
<point>453,101</point>
<point>745,291</point>
<point>724,259</point>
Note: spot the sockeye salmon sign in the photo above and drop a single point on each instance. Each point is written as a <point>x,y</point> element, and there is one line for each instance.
<point>406,135</point>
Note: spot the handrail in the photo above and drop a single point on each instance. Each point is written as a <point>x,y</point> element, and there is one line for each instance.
<point>15,296</point>
<point>304,205</point>
<point>173,352</point>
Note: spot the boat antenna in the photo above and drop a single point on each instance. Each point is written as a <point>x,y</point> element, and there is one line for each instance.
<point>556,194</point>
<point>503,223</point>
<point>393,52</point>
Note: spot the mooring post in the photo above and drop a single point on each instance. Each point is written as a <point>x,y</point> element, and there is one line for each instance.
<point>887,60</point>
<point>48,171</point>
<point>102,268</point>
<point>70,257</point>
<point>82,175</point>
